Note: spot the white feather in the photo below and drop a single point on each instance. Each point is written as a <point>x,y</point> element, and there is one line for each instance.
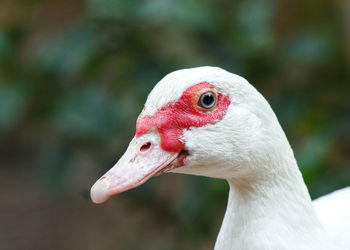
<point>333,210</point>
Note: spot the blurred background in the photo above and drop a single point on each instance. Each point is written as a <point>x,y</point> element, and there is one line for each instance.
<point>74,76</point>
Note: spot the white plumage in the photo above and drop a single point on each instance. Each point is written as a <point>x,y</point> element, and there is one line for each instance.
<point>269,206</point>
<point>333,210</point>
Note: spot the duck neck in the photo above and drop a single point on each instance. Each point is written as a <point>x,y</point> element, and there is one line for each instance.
<point>272,213</point>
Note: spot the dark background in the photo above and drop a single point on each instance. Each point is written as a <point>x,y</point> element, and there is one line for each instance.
<point>74,75</point>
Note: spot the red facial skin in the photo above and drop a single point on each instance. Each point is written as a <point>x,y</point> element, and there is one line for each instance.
<point>170,122</point>
<point>172,119</point>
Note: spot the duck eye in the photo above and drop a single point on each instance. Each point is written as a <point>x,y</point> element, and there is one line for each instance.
<point>207,100</point>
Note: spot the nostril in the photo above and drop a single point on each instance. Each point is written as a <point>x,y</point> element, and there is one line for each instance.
<point>145,146</point>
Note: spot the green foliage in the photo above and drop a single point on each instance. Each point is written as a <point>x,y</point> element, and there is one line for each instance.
<point>12,106</point>
<point>88,113</point>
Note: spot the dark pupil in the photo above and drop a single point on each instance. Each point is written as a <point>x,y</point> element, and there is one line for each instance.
<point>208,100</point>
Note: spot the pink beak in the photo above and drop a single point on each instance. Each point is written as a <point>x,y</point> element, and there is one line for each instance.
<point>143,159</point>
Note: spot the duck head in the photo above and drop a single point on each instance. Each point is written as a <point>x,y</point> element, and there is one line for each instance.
<point>201,121</point>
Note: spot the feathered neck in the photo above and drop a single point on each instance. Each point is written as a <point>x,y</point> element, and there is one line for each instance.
<point>271,213</point>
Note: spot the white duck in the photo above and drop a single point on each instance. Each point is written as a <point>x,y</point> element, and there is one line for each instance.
<point>207,121</point>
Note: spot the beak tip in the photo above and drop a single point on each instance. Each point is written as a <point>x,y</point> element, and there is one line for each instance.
<point>99,191</point>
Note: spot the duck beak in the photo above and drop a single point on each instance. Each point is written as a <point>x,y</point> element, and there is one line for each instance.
<point>143,159</point>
